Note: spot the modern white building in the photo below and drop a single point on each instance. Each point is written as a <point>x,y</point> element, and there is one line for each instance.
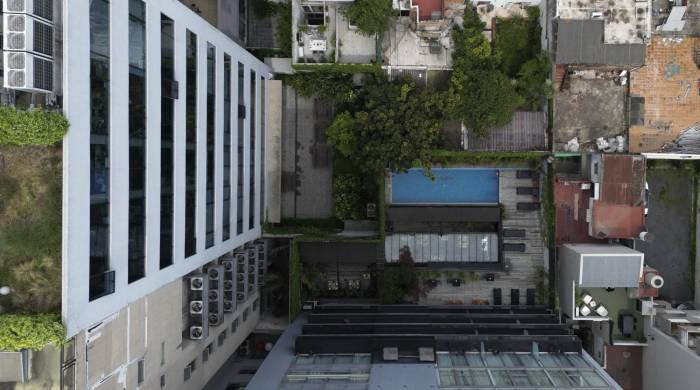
<point>163,187</point>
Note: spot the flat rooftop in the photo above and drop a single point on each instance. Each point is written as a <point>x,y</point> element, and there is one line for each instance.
<point>664,94</point>
<point>626,21</point>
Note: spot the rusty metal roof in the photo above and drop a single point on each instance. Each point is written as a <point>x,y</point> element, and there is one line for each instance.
<point>622,180</point>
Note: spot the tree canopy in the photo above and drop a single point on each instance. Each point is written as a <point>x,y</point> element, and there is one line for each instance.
<point>372,17</point>
<point>391,125</point>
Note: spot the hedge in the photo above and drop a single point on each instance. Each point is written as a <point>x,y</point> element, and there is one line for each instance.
<point>31,127</point>
<point>449,157</point>
<point>341,68</point>
<point>30,331</point>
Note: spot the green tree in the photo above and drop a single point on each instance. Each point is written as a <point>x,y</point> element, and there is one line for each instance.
<point>372,17</point>
<point>533,86</point>
<point>399,282</point>
<point>390,126</point>
<point>480,95</point>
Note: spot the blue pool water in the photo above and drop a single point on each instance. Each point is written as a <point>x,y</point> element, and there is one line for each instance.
<point>450,186</point>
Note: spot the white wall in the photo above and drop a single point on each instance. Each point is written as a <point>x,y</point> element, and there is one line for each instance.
<point>667,364</point>
<point>78,313</point>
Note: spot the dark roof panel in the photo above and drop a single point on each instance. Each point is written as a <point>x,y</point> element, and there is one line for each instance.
<point>582,42</point>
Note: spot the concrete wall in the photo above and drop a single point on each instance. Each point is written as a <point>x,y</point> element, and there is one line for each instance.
<point>667,364</point>
<point>151,329</point>
<point>78,312</point>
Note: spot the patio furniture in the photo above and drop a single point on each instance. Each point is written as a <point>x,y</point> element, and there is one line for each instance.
<point>490,277</point>
<point>514,233</point>
<point>514,297</point>
<point>530,296</point>
<point>513,247</point>
<point>534,191</point>
<point>497,297</point>
<point>528,206</point>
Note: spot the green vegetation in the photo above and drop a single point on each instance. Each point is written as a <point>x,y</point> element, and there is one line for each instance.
<point>31,127</point>
<point>490,82</point>
<point>460,157</point>
<point>294,280</point>
<point>30,229</point>
<point>549,209</point>
<point>389,127</point>
<point>517,41</point>
<point>309,228</point>
<point>372,17</point>
<point>399,282</point>
<point>30,331</point>
<point>347,197</point>
<point>283,33</point>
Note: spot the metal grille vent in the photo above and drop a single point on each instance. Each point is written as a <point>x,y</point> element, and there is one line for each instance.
<point>43,38</point>
<point>44,9</point>
<point>43,74</point>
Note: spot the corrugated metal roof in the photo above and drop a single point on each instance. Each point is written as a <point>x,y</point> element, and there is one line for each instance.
<point>582,42</point>
<point>622,179</point>
<point>445,248</point>
<point>611,271</point>
<point>527,131</point>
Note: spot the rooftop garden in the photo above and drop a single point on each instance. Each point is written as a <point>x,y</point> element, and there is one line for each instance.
<point>30,228</point>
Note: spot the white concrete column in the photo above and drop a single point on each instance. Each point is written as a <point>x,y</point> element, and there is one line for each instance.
<point>119,142</point>
<point>219,147</point>
<point>201,143</point>
<point>153,144</point>
<point>180,141</point>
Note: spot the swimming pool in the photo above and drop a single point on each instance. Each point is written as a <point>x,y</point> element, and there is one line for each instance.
<point>451,186</point>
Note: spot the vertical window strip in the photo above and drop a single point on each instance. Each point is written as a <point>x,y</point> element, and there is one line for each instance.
<point>226,215</point>
<point>167,136</point>
<point>211,144</point>
<point>191,146</point>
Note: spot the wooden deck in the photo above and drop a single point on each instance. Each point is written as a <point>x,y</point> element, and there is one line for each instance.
<point>523,266</point>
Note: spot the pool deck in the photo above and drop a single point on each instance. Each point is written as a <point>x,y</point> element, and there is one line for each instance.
<point>523,271</point>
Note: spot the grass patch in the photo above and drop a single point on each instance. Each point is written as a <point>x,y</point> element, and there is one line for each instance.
<point>30,229</point>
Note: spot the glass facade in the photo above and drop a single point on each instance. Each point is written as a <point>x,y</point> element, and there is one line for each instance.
<point>517,370</point>
<point>99,150</point>
<point>239,156</point>
<point>137,140</point>
<point>211,142</point>
<point>167,131</point>
<point>251,176</point>
<point>191,147</point>
<point>226,215</point>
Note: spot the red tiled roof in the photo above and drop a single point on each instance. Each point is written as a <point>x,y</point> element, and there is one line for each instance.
<point>427,7</point>
<point>616,221</point>
<point>571,203</point>
<point>622,179</point>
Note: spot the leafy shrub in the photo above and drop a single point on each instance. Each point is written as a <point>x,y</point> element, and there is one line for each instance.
<point>347,198</point>
<point>31,127</point>
<point>399,282</point>
<point>35,331</point>
<point>371,17</point>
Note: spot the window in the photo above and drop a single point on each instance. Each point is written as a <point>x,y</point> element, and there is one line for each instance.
<point>245,314</point>
<point>189,369</point>
<point>141,371</point>
<point>239,156</point>
<point>256,303</point>
<point>162,353</point>
<point>99,149</point>
<point>207,351</point>
<point>226,215</point>
<point>222,337</point>
<point>137,140</point>
<point>211,143</point>
<point>251,154</point>
<point>191,145</point>
<point>167,131</point>
<point>162,381</point>
<point>234,326</point>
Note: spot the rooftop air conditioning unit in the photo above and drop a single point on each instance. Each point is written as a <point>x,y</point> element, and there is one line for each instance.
<point>196,283</point>
<point>213,273</point>
<point>196,307</point>
<point>228,265</point>
<point>25,33</point>
<point>213,295</point>
<point>241,259</point>
<point>26,71</point>
<point>240,277</point>
<point>214,319</point>
<point>228,285</point>
<point>228,307</point>
<point>196,333</point>
<point>38,8</point>
<point>240,297</point>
